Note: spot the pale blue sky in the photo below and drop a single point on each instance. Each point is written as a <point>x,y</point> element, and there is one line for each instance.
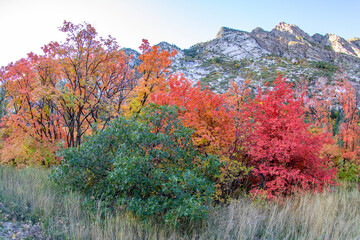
<point>26,25</point>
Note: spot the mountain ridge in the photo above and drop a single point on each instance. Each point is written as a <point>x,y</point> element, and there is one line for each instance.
<point>235,55</point>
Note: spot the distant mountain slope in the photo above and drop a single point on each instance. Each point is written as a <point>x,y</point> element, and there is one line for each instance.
<point>260,55</point>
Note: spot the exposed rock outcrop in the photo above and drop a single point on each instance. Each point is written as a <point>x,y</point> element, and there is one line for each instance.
<point>260,55</point>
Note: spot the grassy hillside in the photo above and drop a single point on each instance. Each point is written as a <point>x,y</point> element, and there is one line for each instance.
<point>28,195</point>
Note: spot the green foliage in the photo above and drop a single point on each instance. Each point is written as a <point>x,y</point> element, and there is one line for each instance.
<point>3,102</point>
<point>147,165</point>
<point>348,171</point>
<point>338,116</point>
<point>191,52</point>
<point>233,181</point>
<point>325,66</point>
<point>217,60</point>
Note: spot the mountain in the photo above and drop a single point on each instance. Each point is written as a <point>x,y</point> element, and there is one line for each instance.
<point>260,55</point>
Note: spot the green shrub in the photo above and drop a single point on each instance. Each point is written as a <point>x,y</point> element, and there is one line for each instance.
<point>191,52</point>
<point>217,60</point>
<point>147,165</point>
<point>326,66</point>
<point>3,102</point>
<point>348,171</point>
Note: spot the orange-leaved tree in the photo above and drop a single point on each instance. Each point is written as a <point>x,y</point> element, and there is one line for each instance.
<point>77,86</point>
<point>154,69</point>
<point>93,80</point>
<point>208,113</point>
<point>220,126</point>
<point>332,109</point>
<point>73,88</point>
<point>349,128</point>
<point>31,122</point>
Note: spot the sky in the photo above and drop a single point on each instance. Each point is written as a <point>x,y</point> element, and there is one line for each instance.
<point>27,25</point>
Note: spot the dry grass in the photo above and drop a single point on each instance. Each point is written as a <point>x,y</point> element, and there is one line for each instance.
<point>27,193</point>
<point>330,215</point>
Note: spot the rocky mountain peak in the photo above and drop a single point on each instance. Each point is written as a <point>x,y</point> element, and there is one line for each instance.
<point>291,32</point>
<point>285,27</point>
<point>355,41</point>
<point>317,37</point>
<point>226,31</point>
<point>340,45</point>
<point>261,55</point>
<point>167,46</point>
<point>258,30</point>
<point>170,47</point>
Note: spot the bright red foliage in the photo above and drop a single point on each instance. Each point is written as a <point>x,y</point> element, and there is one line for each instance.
<point>285,155</point>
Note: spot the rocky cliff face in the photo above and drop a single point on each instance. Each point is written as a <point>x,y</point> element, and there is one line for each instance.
<point>260,55</point>
<point>291,42</point>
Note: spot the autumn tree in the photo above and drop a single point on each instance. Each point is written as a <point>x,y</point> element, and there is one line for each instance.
<point>220,126</point>
<point>30,113</point>
<point>29,101</point>
<point>235,176</point>
<point>318,104</point>
<point>154,69</point>
<point>206,112</point>
<point>332,109</point>
<point>349,128</point>
<point>92,82</point>
<point>285,155</point>
<point>75,87</point>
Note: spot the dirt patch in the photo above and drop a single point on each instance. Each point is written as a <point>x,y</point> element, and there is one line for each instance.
<point>12,228</point>
<point>20,230</point>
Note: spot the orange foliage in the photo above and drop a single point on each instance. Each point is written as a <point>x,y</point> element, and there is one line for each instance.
<point>153,69</point>
<point>342,94</point>
<point>206,112</point>
<point>220,126</point>
<point>349,128</point>
<point>93,81</point>
<point>75,87</point>
<point>30,101</point>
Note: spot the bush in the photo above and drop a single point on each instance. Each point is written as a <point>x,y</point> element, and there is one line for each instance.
<point>22,149</point>
<point>284,154</point>
<point>327,66</point>
<point>349,172</point>
<point>147,165</point>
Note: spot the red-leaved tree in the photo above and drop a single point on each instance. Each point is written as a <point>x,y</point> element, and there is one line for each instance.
<point>285,155</point>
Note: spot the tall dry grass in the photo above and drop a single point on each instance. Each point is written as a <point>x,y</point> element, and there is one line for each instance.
<point>329,215</point>
<point>27,193</point>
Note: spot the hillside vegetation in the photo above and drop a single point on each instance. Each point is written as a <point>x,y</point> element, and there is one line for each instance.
<point>114,146</point>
